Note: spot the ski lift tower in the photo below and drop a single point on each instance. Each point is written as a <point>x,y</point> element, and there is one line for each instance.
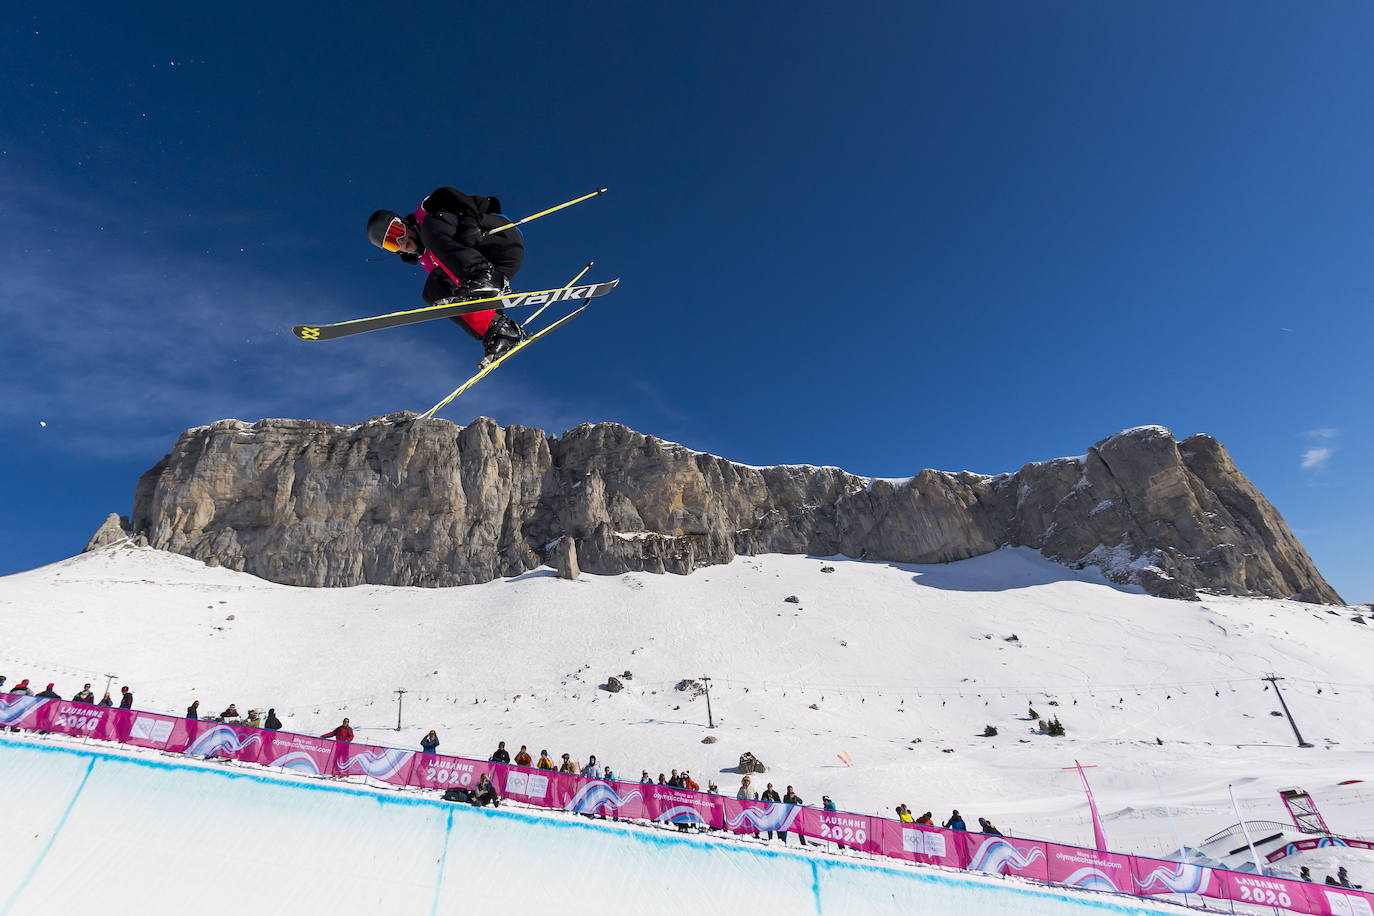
<point>1303,810</point>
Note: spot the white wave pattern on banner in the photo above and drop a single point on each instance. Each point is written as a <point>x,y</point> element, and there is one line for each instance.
<point>773,817</point>
<point>995,855</point>
<point>1181,879</point>
<point>379,763</point>
<point>14,709</point>
<point>220,740</point>
<point>594,796</point>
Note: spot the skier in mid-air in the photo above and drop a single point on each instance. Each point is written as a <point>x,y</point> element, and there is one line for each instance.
<point>450,236</point>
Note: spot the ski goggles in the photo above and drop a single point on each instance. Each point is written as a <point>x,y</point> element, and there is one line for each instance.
<point>395,231</point>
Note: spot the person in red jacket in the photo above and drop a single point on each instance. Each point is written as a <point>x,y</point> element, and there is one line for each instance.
<point>450,235</point>
<point>343,733</point>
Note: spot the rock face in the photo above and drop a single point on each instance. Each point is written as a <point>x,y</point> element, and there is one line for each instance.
<point>403,501</point>
<point>110,532</point>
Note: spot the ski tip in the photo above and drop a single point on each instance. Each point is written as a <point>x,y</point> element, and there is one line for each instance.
<point>602,190</point>
<point>306,332</point>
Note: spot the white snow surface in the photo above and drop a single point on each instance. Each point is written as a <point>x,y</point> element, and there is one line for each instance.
<point>888,653</point>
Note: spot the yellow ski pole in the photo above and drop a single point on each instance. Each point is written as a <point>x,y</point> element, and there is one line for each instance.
<point>545,212</point>
<point>429,414</point>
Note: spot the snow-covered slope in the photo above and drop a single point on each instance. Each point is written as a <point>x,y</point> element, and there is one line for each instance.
<point>904,666</point>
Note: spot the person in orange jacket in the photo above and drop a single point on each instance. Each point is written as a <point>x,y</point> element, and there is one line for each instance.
<point>523,758</point>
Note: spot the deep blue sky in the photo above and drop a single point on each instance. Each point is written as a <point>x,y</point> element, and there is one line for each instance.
<point>879,236</point>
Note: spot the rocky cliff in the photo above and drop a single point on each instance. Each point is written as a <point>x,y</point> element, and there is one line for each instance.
<point>403,501</point>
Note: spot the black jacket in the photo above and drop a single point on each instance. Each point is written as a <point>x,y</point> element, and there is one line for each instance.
<point>453,232</point>
<point>50,695</point>
<point>501,756</point>
<point>272,722</point>
<point>770,795</point>
<point>127,702</point>
<point>192,713</point>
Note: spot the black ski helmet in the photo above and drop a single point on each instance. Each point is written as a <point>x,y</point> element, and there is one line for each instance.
<point>377,224</point>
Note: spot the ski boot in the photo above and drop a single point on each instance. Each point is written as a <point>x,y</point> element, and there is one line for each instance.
<point>502,336</point>
<point>479,283</point>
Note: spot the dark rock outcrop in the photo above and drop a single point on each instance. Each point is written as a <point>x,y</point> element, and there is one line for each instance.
<point>403,501</point>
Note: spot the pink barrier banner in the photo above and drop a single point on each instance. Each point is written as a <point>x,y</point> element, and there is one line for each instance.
<point>1000,855</point>
<point>852,831</point>
<point>1156,876</point>
<point>1291,895</point>
<point>608,798</point>
<point>298,753</point>
<point>1297,846</point>
<point>1088,868</point>
<point>433,771</point>
<point>681,806</point>
<point>1049,862</point>
<point>919,843</point>
<point>758,817</point>
<point>220,739</point>
<point>387,764</point>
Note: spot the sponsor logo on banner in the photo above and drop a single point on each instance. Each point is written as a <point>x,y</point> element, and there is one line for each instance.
<point>148,728</point>
<point>530,785</point>
<point>923,842</point>
<point>1347,904</point>
<point>1251,889</point>
<point>301,753</point>
<point>1094,873</point>
<point>680,807</point>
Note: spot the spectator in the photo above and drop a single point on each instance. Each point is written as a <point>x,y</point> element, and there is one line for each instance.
<point>231,713</point>
<point>826,803</point>
<point>105,700</point>
<point>344,732</point>
<point>645,778</point>
<point>675,780</point>
<point>712,787</point>
<point>254,719</point>
<point>1331,880</point>
<point>689,783</point>
<point>568,765</point>
<point>126,699</point>
<point>926,819</point>
<point>523,758</point>
<point>904,814</point>
<point>662,780</point>
<point>606,773</point>
<point>791,798</point>
<point>429,744</point>
<point>545,763</point>
<point>1343,877</point>
<point>988,827</point>
<point>770,794</point>
<point>272,722</point>
<point>2,680</point>
<point>591,770</point>
<point>193,711</point>
<point>84,695</point>
<point>747,792</point>
<point>485,793</point>
<point>49,694</point>
<point>1305,874</point>
<point>955,822</point>
<point>22,688</point>
<point>501,755</point>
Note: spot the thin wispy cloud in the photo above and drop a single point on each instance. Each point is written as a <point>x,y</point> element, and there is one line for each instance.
<point>1316,457</point>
